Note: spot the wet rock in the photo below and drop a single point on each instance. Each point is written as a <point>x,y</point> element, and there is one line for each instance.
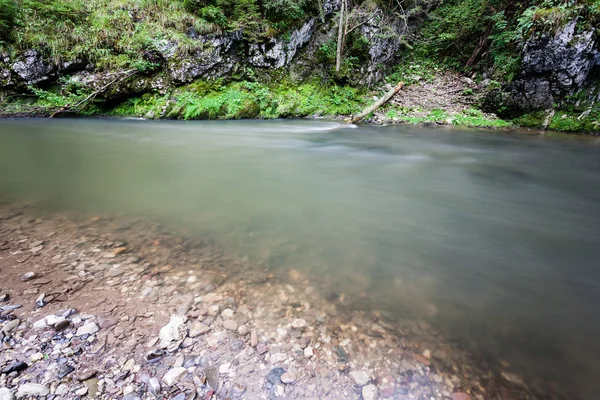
<point>174,333</point>
<point>173,375</point>
<point>369,392</point>
<point>230,325</point>
<point>89,328</point>
<point>421,359</point>
<point>32,389</point>
<point>28,276</point>
<point>288,377</point>
<point>299,323</point>
<point>64,370</point>
<point>154,355</point>
<point>197,328</point>
<point>92,387</point>
<point>360,377</point>
<point>15,366</point>
<point>6,394</point>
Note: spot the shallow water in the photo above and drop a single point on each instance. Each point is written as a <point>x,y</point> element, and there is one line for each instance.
<point>491,237</point>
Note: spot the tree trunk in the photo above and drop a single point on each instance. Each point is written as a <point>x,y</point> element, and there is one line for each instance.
<point>340,41</point>
<point>386,97</point>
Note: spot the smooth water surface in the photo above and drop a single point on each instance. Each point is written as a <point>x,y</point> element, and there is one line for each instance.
<point>492,237</point>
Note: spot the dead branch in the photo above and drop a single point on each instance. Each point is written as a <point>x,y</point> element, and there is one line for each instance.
<point>384,99</point>
<point>81,104</point>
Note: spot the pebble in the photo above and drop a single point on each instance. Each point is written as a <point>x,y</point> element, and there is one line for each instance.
<point>288,377</point>
<point>227,313</point>
<point>86,374</point>
<point>174,333</point>
<point>89,328</point>
<point>369,392</point>
<point>261,348</point>
<point>224,368</point>
<point>27,276</point>
<point>197,328</point>
<point>421,359</point>
<point>308,352</point>
<point>81,392</point>
<point>173,375</point>
<point>154,387</point>
<point>274,376</point>
<point>5,394</point>
<point>15,366</point>
<point>64,370</point>
<point>230,325</point>
<point>253,338</point>
<point>92,387</point>
<point>460,396</point>
<point>11,325</point>
<point>36,357</point>
<point>61,324</point>
<point>212,377</point>
<point>61,390</point>
<point>32,389</point>
<point>299,323</point>
<point>40,324</point>
<point>360,377</point>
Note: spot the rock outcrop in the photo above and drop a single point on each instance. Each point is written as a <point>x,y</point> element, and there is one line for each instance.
<point>554,67</point>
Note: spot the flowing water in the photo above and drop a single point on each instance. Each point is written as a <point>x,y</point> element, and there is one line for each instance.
<point>492,237</point>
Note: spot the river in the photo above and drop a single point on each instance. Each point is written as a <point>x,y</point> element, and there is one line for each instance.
<point>492,237</point>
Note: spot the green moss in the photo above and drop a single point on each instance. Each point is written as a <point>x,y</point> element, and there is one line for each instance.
<point>532,120</point>
<point>237,100</point>
<point>470,117</point>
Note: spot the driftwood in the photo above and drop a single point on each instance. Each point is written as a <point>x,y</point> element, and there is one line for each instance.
<point>80,105</point>
<point>384,99</point>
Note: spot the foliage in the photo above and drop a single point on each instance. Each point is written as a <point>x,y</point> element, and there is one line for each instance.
<point>8,14</point>
<point>237,100</point>
<point>469,117</point>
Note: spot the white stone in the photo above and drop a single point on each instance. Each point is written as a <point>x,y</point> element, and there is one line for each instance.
<point>89,328</point>
<point>173,375</point>
<point>82,391</point>
<point>52,319</point>
<point>308,352</point>
<point>227,313</point>
<point>298,323</point>
<point>224,368</point>
<point>174,333</point>
<point>5,394</point>
<point>369,392</point>
<point>360,377</point>
<point>32,389</point>
<point>61,390</point>
<point>40,324</point>
<point>36,357</point>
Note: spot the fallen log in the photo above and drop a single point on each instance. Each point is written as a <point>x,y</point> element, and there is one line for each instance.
<point>384,99</point>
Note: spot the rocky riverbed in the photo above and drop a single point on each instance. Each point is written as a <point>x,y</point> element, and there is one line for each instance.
<point>113,307</point>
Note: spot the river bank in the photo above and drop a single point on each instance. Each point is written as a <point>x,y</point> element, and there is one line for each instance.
<point>108,306</point>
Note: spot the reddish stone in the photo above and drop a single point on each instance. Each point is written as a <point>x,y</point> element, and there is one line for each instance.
<point>423,360</point>
<point>460,396</point>
<point>387,392</point>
